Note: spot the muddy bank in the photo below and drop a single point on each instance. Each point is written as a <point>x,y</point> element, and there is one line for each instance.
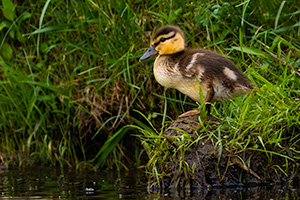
<point>210,162</point>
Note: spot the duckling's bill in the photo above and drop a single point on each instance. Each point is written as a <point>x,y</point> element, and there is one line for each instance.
<point>149,53</point>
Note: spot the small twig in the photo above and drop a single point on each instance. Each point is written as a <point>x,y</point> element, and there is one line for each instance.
<point>119,112</point>
<point>258,29</point>
<point>283,61</point>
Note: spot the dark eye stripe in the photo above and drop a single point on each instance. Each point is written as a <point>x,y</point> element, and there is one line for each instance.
<point>164,39</point>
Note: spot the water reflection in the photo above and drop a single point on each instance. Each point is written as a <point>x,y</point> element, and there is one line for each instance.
<point>54,183</point>
<point>251,193</point>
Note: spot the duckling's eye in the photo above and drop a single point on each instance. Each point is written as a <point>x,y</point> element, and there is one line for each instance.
<point>162,39</point>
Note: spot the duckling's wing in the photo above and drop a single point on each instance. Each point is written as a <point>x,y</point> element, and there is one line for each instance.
<point>209,66</point>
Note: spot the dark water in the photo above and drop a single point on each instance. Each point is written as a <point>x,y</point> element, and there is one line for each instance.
<point>54,183</point>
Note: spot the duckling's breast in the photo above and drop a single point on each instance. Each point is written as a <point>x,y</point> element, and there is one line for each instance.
<point>168,75</point>
<point>166,72</point>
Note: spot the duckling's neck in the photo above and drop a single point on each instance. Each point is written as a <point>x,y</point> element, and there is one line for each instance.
<point>175,55</point>
<point>178,53</point>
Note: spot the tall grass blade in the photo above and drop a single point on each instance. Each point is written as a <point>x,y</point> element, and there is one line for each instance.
<point>40,26</point>
<point>110,144</point>
<point>278,15</point>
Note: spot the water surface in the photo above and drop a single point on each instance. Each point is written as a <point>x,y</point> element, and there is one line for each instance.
<point>55,183</point>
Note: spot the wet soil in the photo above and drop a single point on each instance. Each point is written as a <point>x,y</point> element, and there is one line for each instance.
<point>210,169</point>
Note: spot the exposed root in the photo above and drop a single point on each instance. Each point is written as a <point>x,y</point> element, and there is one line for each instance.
<point>236,160</point>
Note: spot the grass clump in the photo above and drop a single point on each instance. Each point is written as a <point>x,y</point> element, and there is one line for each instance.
<point>70,77</point>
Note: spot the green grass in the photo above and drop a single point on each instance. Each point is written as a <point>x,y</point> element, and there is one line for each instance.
<point>70,76</point>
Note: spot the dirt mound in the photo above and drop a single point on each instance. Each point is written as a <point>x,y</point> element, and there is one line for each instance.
<point>210,163</point>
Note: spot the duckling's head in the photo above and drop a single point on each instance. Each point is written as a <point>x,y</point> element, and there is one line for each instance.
<point>166,40</point>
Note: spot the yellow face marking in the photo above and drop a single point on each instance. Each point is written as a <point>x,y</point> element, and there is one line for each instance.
<point>162,36</point>
<point>170,46</point>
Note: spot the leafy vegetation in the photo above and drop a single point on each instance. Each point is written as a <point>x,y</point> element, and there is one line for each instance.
<point>70,78</point>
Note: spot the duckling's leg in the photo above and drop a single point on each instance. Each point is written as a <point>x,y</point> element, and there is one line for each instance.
<point>207,100</point>
<point>209,96</point>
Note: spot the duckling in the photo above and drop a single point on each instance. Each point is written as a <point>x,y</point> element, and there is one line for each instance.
<point>185,69</point>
